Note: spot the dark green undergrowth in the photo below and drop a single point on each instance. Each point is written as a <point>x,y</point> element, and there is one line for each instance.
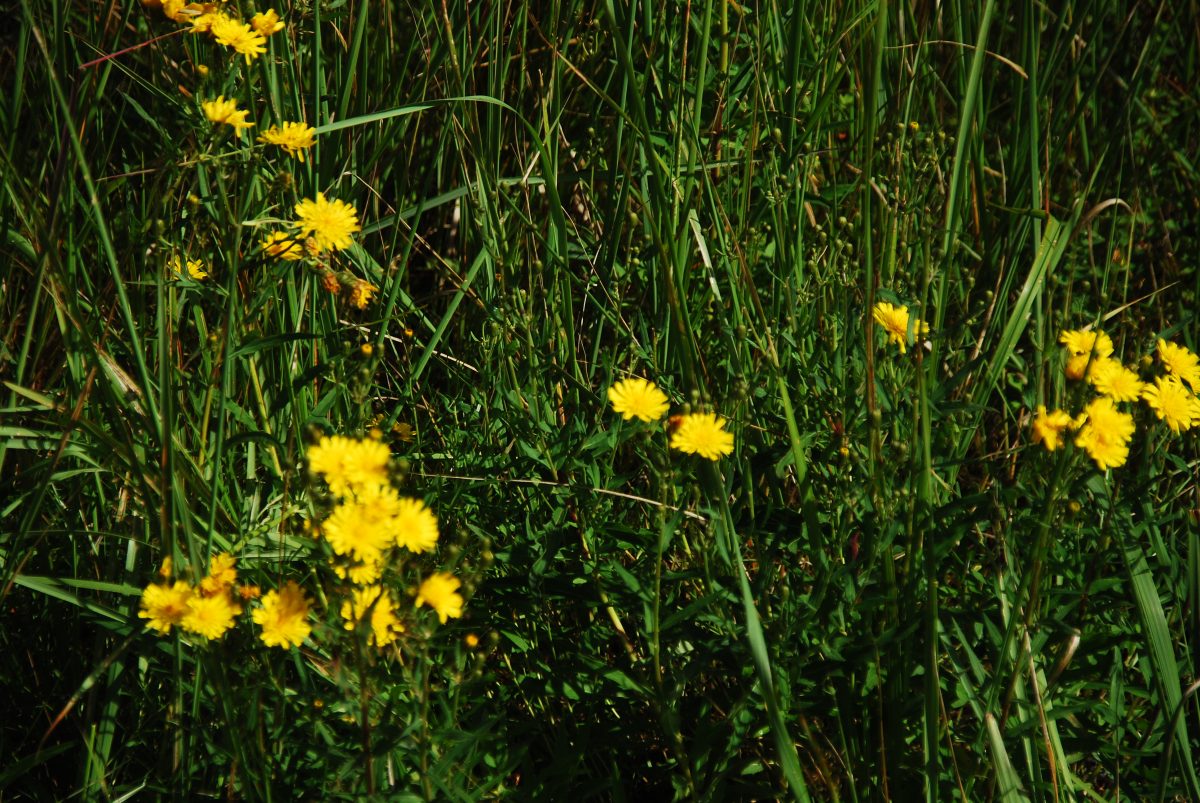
<point>888,590</point>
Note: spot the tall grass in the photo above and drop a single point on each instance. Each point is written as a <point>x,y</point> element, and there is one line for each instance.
<point>887,591</point>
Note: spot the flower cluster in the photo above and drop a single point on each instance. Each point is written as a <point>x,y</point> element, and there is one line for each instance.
<point>1102,428</point>
<point>369,529</point>
<point>700,434</point>
<point>895,322</point>
<point>321,226</point>
<point>248,39</point>
<point>206,609</point>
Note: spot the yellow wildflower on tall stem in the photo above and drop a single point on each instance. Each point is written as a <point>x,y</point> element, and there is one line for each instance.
<point>282,245</point>
<point>348,464</point>
<point>239,36</point>
<point>295,138</point>
<point>1181,362</point>
<point>638,398</point>
<point>1105,433</point>
<point>331,223</point>
<point>440,592</point>
<point>226,112</point>
<point>702,434</point>
<point>210,617</point>
<point>373,601</point>
<point>894,321</point>
<point>1173,403</point>
<point>1048,427</point>
<point>165,605</point>
<point>283,617</point>
<point>266,22</point>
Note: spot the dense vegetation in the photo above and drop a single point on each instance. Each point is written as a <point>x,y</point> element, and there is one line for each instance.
<point>889,589</point>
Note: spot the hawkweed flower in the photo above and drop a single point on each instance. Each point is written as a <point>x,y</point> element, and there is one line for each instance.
<point>203,23</point>
<point>222,574</point>
<point>1110,378</point>
<point>187,268</point>
<point>361,292</point>
<point>415,525</point>
<point>226,112</point>
<point>182,10</point>
<point>331,223</point>
<point>894,321</point>
<point>361,573</point>
<point>238,35</point>
<point>440,592</point>
<point>282,245</point>
<point>266,22</point>
<point>363,526</point>
<point>1080,341</point>
<point>376,603</point>
<point>295,138</point>
<point>283,617</point>
<point>1105,433</point>
<point>638,398</point>
<point>165,605</point>
<point>1181,362</point>
<point>1048,427</point>
<point>702,434</point>
<point>210,617</point>
<point>1173,403</point>
<point>348,464</point>
<point>1084,349</point>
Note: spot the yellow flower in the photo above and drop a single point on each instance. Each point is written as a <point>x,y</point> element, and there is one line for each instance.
<point>361,574</point>
<point>1173,403</point>
<point>348,464</point>
<point>1105,433</point>
<point>194,270</point>
<point>360,294</point>
<point>203,23</point>
<point>894,321</point>
<point>221,111</point>
<point>638,398</point>
<point>1114,380</point>
<point>238,35</point>
<point>1079,341</point>
<point>165,605</point>
<point>330,222</point>
<point>282,245</point>
<point>416,526</point>
<point>702,434</point>
<point>183,11</point>
<point>283,617</point>
<point>440,592</point>
<point>1076,366</point>
<point>1181,362</point>
<point>266,23</point>
<point>1048,427</point>
<point>295,138</point>
<point>210,617</point>
<point>362,527</point>
<point>221,575</point>
<point>372,599</point>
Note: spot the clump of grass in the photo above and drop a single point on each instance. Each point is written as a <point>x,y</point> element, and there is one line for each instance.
<point>284,282</point>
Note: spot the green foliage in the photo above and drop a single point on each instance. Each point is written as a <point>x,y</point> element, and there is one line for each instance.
<point>888,590</point>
